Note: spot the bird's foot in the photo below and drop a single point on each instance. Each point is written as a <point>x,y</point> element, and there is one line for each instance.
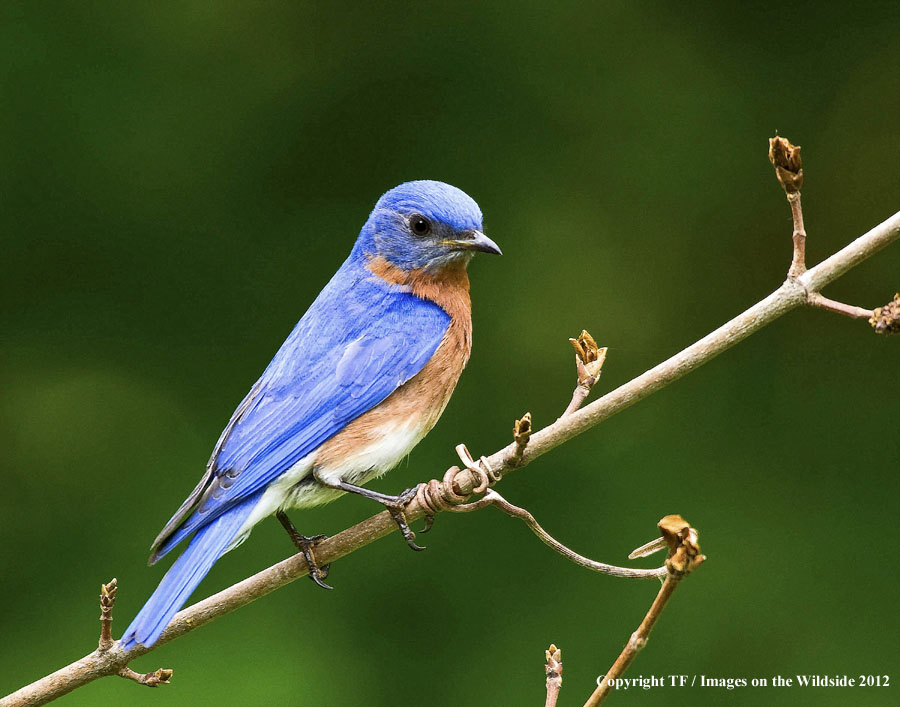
<point>396,505</point>
<point>306,545</point>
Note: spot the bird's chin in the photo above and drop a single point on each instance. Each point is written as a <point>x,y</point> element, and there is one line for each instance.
<point>452,259</point>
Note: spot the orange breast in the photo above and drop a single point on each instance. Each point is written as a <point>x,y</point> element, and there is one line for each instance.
<point>421,400</point>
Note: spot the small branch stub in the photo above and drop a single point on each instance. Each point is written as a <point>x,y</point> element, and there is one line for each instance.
<point>788,164</point>
<point>107,602</point>
<point>815,299</point>
<point>886,320</point>
<point>108,591</point>
<point>785,157</point>
<point>162,676</point>
<point>522,433</point>
<point>553,668</point>
<point>589,359</point>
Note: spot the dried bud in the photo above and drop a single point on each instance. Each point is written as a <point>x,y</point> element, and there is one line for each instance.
<point>158,677</point>
<point>588,358</point>
<point>788,164</point>
<point>684,545</point>
<point>108,594</point>
<point>886,320</point>
<point>522,430</point>
<point>553,656</point>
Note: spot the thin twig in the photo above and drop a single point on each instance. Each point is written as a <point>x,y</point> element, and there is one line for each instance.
<point>788,164</point>
<point>789,296</point>
<point>553,668</point>
<point>492,498</point>
<point>684,558</point>
<point>848,310</point>
<point>798,262</point>
<point>162,676</point>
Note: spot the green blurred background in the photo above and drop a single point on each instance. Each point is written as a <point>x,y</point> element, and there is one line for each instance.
<point>179,181</point>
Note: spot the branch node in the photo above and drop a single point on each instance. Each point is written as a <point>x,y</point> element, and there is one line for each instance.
<point>637,642</point>
<point>107,602</point>
<point>886,319</point>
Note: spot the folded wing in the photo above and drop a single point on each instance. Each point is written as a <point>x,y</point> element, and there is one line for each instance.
<point>359,341</point>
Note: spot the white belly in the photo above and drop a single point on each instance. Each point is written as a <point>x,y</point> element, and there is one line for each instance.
<point>357,468</point>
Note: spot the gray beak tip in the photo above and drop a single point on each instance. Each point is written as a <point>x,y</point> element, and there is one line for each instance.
<point>484,244</point>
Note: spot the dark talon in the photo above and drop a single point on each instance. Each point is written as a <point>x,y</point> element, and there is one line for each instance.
<point>429,521</point>
<point>408,534</point>
<point>396,507</point>
<point>319,575</point>
<point>305,545</point>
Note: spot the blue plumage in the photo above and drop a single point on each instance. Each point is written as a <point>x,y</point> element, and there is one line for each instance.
<point>363,338</point>
<point>340,360</point>
<point>185,574</point>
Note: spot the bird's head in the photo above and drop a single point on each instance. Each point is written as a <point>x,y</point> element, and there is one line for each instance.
<point>425,225</point>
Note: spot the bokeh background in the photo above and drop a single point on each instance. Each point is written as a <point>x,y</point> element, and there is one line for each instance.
<point>180,179</point>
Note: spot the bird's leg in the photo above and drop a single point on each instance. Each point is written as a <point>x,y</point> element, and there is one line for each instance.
<point>394,504</point>
<point>306,545</point>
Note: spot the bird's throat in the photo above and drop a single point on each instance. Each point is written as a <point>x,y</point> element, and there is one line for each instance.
<point>447,287</point>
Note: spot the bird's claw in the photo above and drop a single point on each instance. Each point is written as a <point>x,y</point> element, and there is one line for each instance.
<point>305,545</point>
<point>320,574</point>
<point>396,507</point>
<point>316,573</point>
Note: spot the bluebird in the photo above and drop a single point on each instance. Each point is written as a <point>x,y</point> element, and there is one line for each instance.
<point>362,378</point>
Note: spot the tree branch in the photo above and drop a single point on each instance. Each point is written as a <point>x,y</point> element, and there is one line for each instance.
<point>792,294</point>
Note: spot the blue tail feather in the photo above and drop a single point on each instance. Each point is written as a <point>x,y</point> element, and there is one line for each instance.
<point>207,546</point>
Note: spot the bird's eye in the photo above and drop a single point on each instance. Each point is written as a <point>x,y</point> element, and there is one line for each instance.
<point>420,225</point>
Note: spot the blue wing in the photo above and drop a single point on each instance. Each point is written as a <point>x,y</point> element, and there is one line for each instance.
<point>359,341</point>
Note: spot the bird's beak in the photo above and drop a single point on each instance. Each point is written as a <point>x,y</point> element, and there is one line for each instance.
<point>475,240</point>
